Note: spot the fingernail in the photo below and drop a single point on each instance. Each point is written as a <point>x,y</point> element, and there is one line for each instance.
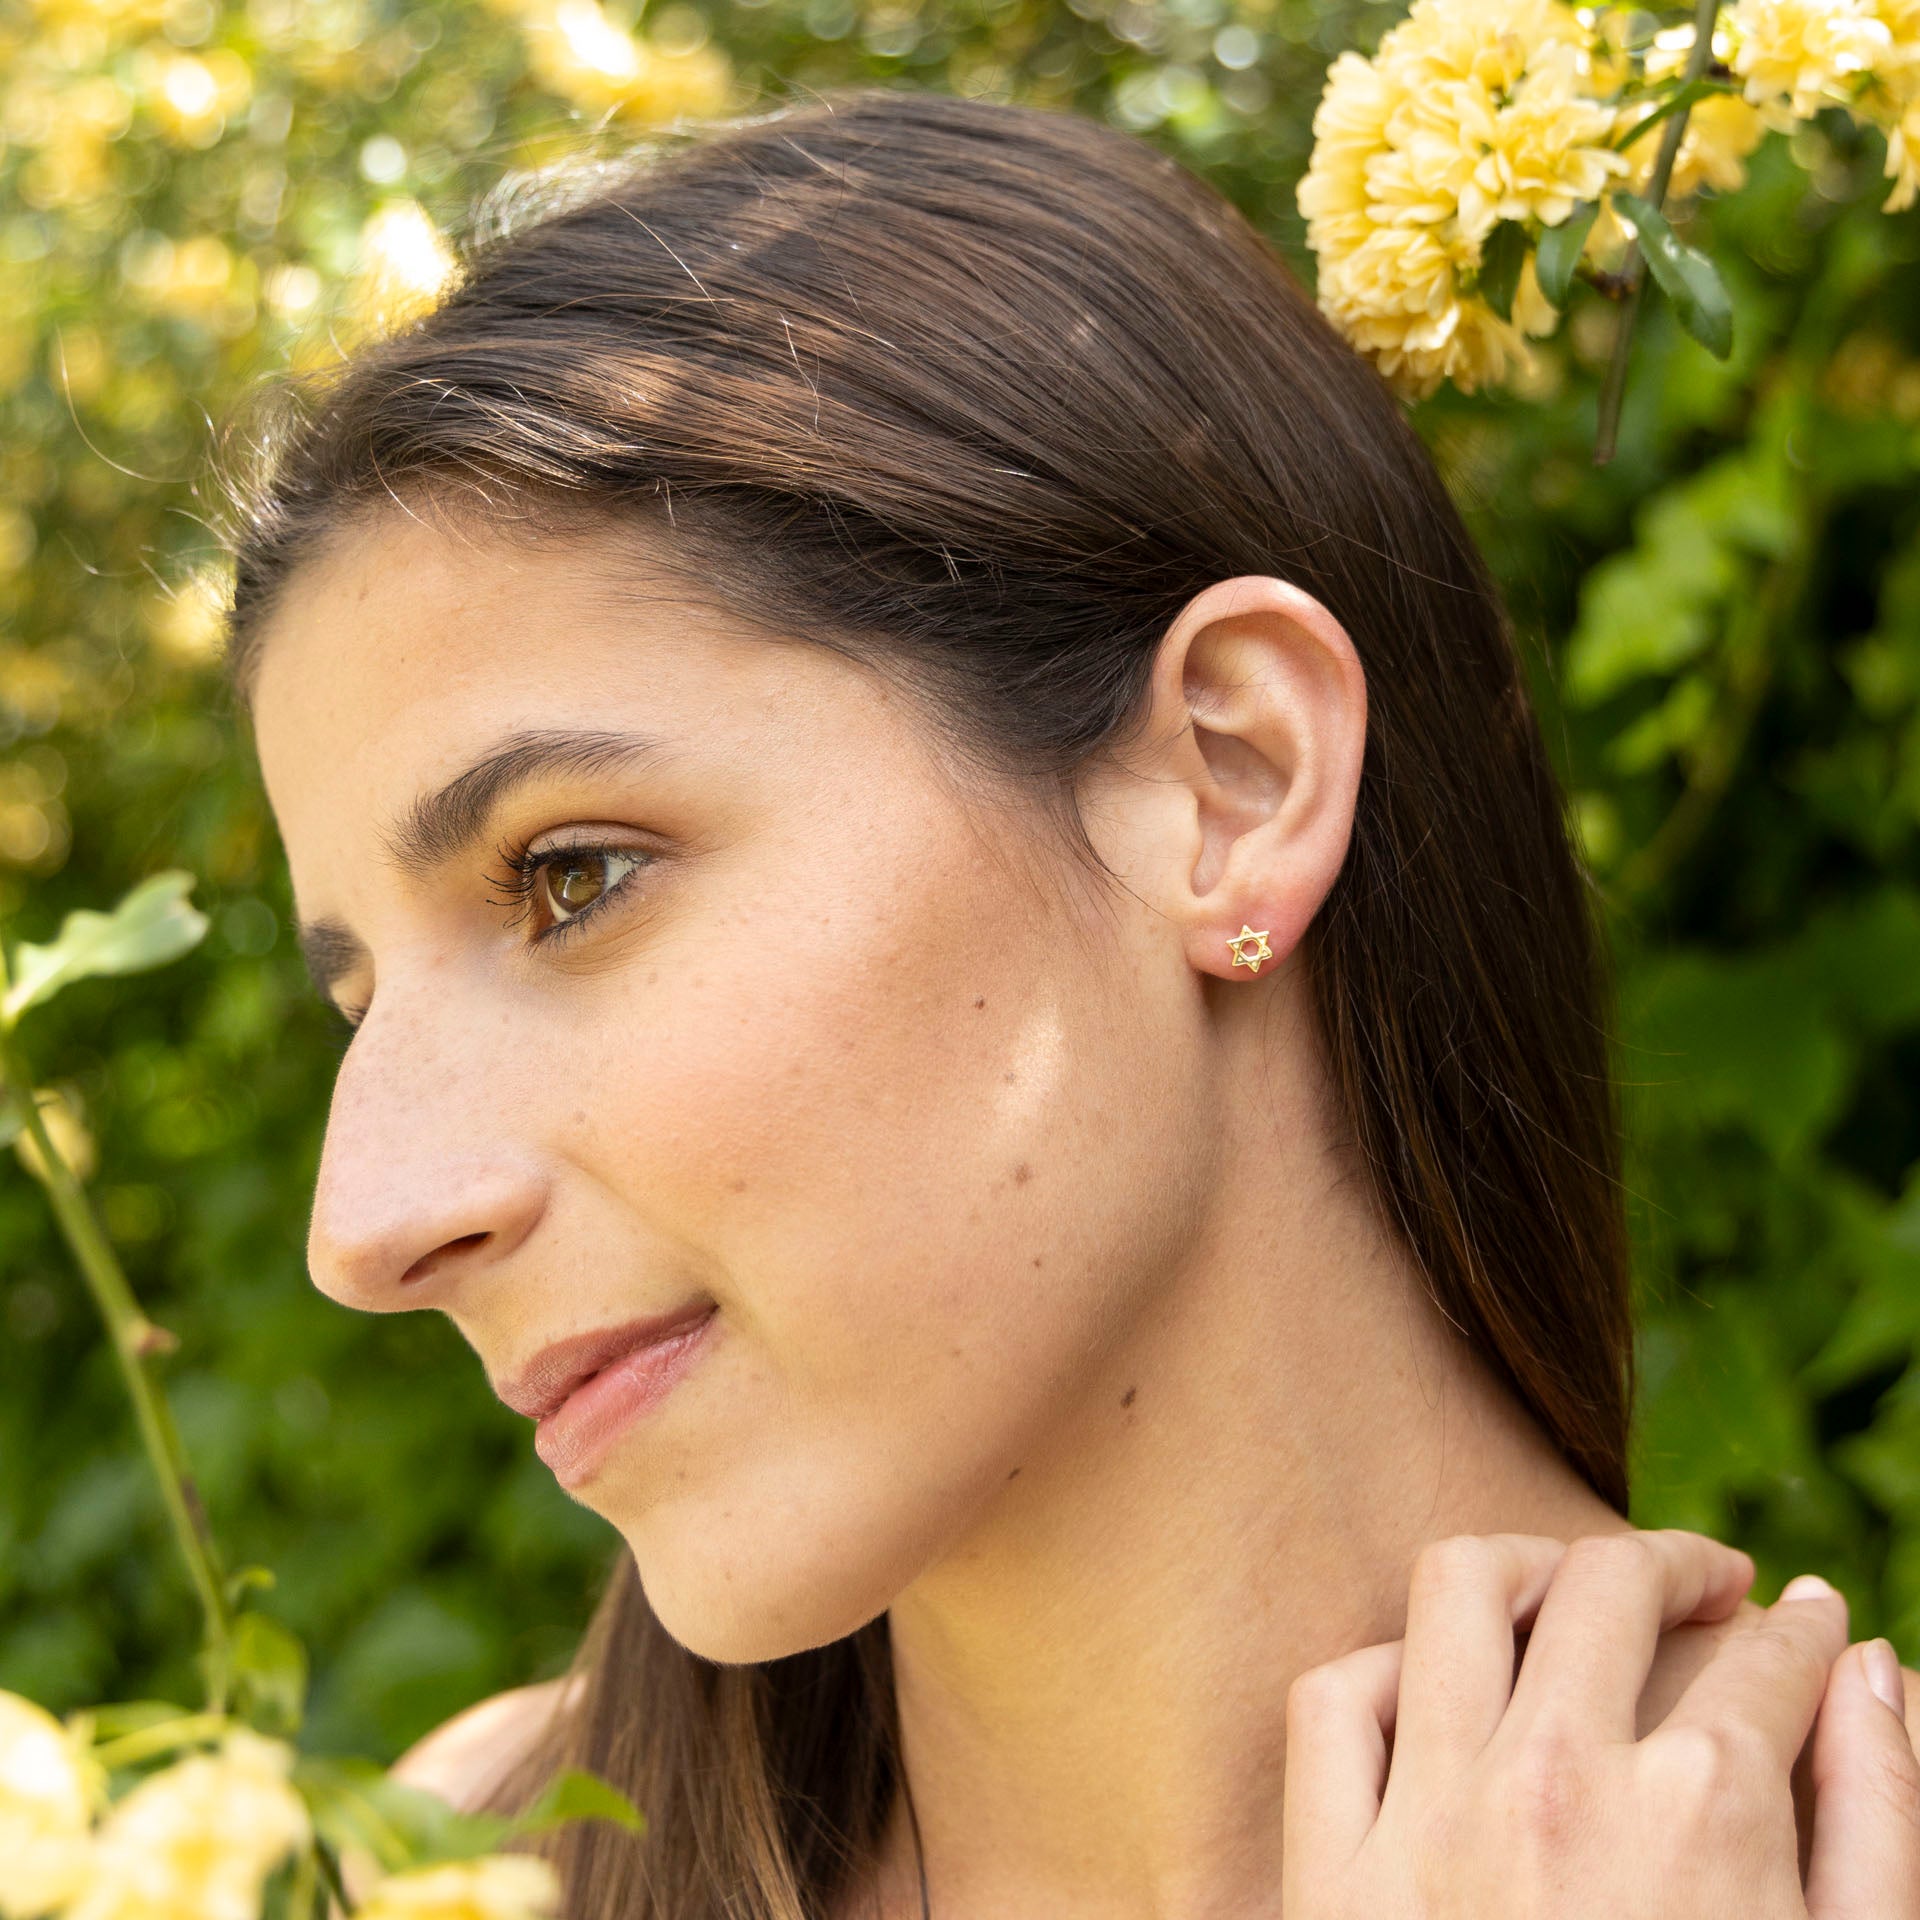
<point>1883,1674</point>
<point>1808,1586</point>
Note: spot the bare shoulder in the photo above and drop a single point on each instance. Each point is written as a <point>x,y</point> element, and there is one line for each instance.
<point>466,1757</point>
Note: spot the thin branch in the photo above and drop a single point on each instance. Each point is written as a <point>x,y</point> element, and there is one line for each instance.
<point>132,1337</point>
<point>1634,269</point>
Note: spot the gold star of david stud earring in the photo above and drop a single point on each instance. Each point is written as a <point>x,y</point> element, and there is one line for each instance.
<point>1242,940</point>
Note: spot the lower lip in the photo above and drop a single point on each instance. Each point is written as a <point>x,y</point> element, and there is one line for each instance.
<point>576,1436</point>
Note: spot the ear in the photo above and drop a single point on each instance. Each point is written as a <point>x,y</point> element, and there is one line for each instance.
<point>1259,704</point>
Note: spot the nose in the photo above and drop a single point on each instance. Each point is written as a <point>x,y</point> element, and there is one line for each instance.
<point>427,1177</point>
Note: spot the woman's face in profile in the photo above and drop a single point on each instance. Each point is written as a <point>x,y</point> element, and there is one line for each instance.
<point>685,977</point>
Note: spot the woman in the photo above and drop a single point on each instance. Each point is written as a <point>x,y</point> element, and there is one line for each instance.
<point>968,980</point>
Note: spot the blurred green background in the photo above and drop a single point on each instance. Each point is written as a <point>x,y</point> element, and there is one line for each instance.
<point>1724,626</point>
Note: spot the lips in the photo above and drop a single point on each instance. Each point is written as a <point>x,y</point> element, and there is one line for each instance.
<point>542,1386</point>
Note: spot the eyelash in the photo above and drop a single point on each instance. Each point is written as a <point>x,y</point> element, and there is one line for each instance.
<point>521,877</point>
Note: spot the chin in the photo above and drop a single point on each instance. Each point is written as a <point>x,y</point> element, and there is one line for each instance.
<point>737,1623</point>
<point>736,1598</point>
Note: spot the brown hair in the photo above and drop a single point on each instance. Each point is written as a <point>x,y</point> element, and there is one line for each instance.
<point>985,394</point>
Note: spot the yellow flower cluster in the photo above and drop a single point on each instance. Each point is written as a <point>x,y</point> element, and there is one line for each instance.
<point>47,1800</point>
<point>195,1841</point>
<point>198,1839</point>
<point>1472,112</point>
<point>499,1886</point>
<point>1721,131</point>
<point>1797,56</point>
<point>1475,112</point>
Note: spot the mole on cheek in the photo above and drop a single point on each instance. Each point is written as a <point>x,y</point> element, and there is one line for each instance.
<point>1022,1174</point>
<point>1126,1399</point>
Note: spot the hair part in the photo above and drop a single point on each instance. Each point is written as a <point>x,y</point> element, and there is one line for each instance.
<point>985,394</point>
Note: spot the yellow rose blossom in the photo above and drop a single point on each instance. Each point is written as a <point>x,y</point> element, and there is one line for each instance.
<point>1797,56</point>
<point>197,1840</point>
<point>47,1792</point>
<point>498,1886</point>
<point>1903,159</point>
<point>1891,98</point>
<point>1469,114</point>
<point>1722,129</point>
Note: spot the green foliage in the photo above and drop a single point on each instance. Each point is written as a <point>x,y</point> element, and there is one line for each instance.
<point>1557,258</point>
<point>1724,626</point>
<point>1687,276</point>
<point>152,925</point>
<point>356,1806</point>
<point>1502,256</point>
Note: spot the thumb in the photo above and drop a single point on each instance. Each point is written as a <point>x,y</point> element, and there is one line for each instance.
<point>1865,1863</point>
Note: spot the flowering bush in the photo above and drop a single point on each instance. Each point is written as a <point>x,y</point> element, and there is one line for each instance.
<point>234,1823</point>
<point>1492,150</point>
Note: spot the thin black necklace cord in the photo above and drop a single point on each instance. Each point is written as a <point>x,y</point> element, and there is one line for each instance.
<point>919,1853</point>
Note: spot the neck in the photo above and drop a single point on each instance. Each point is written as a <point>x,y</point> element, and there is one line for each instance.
<point>1092,1684</point>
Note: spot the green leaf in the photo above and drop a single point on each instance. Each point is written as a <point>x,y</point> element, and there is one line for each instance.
<point>578,1795</point>
<point>152,925</point>
<point>243,1579</point>
<point>356,1804</point>
<point>1687,96</point>
<point>270,1666</point>
<point>1867,952</point>
<point>1687,277</point>
<point>1744,1044</point>
<point>11,1119</point>
<point>132,1716</point>
<point>1502,254</point>
<point>1558,256</point>
<point>1659,605</point>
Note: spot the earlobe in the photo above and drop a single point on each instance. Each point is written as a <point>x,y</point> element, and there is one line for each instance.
<point>1269,699</point>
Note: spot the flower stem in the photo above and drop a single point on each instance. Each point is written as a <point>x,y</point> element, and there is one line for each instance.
<point>304,1890</point>
<point>129,1333</point>
<point>330,1874</point>
<point>1633,271</point>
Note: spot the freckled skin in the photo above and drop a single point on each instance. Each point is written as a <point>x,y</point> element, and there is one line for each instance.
<point>717,1088</point>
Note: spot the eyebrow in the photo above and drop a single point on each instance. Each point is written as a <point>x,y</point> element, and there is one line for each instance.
<point>441,825</point>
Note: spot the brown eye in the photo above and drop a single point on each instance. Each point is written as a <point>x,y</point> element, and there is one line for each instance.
<point>573,882</point>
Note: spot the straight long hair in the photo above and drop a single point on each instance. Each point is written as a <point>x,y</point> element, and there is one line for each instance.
<point>985,394</point>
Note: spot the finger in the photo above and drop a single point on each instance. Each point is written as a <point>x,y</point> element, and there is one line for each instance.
<point>1865,1863</point>
<point>1340,1718</point>
<point>1769,1678</point>
<point>1612,1597</point>
<point>1467,1596</point>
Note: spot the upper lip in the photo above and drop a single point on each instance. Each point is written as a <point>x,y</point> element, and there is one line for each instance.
<point>552,1374</point>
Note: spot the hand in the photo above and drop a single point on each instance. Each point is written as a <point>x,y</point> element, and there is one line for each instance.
<point>1508,1797</point>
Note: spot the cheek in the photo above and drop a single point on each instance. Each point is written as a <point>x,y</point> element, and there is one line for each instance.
<point>926,1138</point>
